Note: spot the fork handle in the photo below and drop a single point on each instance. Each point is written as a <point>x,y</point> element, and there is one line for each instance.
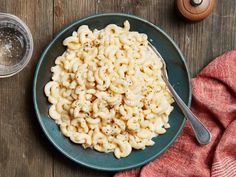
<point>201,132</point>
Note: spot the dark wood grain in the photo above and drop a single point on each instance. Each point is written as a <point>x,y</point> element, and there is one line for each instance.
<point>24,150</point>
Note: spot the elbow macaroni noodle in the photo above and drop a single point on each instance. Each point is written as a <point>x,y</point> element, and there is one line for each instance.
<point>107,91</point>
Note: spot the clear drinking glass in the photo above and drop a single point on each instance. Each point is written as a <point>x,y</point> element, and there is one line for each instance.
<point>16,45</point>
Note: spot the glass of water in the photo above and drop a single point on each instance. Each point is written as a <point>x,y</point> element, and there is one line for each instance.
<point>16,45</point>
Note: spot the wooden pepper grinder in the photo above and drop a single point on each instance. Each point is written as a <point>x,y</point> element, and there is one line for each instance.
<point>195,10</point>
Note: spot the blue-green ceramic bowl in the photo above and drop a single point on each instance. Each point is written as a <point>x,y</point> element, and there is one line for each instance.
<point>178,76</point>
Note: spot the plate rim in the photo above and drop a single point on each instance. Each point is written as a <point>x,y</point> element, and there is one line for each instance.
<point>41,58</point>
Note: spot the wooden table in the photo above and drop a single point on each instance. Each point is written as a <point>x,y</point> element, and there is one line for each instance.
<point>24,150</point>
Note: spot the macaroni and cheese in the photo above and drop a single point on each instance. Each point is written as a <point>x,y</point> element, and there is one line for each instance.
<point>107,90</point>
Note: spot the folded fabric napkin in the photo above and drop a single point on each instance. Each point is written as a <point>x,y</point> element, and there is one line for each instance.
<point>214,103</point>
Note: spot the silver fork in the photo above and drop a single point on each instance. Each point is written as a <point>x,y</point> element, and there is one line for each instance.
<point>201,132</point>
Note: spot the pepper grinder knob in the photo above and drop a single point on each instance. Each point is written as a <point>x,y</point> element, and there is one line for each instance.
<point>195,10</point>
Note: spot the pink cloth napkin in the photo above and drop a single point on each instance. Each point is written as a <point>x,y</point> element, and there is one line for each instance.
<point>214,103</point>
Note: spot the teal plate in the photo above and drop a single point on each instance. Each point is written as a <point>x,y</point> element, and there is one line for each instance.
<point>178,76</point>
